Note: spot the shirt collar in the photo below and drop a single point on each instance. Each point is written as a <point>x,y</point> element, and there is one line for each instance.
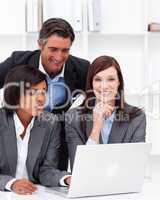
<point>19,128</point>
<point>41,68</point>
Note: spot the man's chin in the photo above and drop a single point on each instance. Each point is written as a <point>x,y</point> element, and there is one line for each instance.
<point>55,70</point>
<point>55,73</point>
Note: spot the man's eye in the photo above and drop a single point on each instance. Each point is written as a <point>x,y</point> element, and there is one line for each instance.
<point>62,50</point>
<point>53,49</point>
<point>65,50</point>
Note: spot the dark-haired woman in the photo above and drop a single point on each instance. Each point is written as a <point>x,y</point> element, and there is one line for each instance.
<point>29,137</point>
<point>105,116</point>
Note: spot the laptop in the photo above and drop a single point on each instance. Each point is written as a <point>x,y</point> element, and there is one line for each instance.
<point>107,169</point>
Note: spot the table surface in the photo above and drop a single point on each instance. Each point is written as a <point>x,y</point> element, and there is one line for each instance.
<point>151,189</point>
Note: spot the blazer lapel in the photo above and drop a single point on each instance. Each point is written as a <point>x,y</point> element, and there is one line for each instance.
<point>10,144</point>
<point>70,76</point>
<point>118,131</point>
<point>80,132</point>
<point>89,124</point>
<point>34,146</point>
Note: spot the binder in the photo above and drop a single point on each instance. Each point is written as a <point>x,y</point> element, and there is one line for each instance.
<point>60,8</point>
<point>32,16</point>
<point>70,10</point>
<point>94,15</point>
<point>12,17</point>
<point>77,15</point>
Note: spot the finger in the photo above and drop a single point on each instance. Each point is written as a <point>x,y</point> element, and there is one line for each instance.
<point>109,107</point>
<point>29,187</point>
<point>32,185</point>
<point>29,184</point>
<point>23,191</point>
<point>108,112</point>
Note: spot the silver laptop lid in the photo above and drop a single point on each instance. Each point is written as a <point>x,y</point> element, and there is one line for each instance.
<point>108,169</point>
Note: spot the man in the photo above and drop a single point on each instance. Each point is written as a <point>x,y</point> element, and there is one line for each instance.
<point>62,69</point>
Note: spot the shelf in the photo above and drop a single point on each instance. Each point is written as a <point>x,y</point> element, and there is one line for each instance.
<point>155,34</point>
<point>92,34</point>
<point>12,34</point>
<point>97,34</point>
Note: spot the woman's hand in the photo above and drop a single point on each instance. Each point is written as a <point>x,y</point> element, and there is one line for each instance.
<point>23,186</point>
<point>100,111</point>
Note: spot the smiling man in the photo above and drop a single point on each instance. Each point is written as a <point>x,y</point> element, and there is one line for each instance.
<point>65,73</point>
<point>53,58</point>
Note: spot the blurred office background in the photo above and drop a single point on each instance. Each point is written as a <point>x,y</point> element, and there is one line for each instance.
<point>110,27</point>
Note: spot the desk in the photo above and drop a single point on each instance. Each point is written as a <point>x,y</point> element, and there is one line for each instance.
<point>151,189</point>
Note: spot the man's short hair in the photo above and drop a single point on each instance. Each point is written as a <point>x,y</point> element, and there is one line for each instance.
<point>58,27</point>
